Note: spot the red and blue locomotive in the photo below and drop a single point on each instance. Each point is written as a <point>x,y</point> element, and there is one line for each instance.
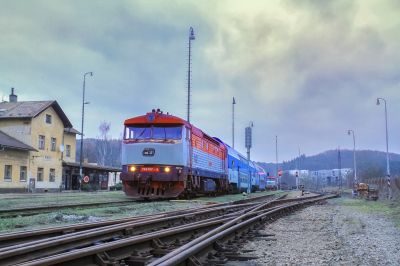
<point>164,156</point>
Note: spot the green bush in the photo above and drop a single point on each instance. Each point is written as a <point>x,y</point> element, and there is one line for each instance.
<point>118,186</point>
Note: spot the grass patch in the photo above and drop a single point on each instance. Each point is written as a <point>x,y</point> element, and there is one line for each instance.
<point>234,197</point>
<point>390,209</point>
<point>88,214</point>
<point>32,200</point>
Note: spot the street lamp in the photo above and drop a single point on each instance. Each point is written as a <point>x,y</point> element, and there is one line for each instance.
<point>354,149</point>
<point>298,178</point>
<point>83,115</point>
<point>387,147</point>
<point>191,37</point>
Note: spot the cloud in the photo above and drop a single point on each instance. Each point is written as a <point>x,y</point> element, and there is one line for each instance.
<point>306,71</point>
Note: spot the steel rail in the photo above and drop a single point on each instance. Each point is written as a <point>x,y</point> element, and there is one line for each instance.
<point>148,219</point>
<point>122,243</point>
<point>50,207</point>
<point>197,245</point>
<point>10,239</point>
<point>81,239</point>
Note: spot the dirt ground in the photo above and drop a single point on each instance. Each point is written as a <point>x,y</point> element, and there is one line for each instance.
<point>337,233</point>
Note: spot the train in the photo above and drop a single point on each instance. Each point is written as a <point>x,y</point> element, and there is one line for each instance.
<point>164,156</point>
<point>271,184</point>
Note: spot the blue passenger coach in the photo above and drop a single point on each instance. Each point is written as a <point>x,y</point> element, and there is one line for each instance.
<point>240,169</point>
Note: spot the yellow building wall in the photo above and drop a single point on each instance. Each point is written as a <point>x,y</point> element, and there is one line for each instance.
<point>46,158</point>
<point>15,158</point>
<point>28,131</point>
<point>70,139</point>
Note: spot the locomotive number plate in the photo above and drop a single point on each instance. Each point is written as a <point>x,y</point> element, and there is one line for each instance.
<point>150,169</point>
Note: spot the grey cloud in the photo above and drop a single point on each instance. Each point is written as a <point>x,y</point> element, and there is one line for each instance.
<point>306,71</point>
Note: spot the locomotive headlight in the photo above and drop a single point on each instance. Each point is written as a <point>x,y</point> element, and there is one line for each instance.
<point>167,169</point>
<point>133,168</point>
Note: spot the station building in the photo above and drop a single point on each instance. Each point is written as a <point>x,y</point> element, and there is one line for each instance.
<point>37,149</point>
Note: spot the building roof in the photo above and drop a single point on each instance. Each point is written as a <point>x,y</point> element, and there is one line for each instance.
<point>9,142</point>
<point>31,109</point>
<point>93,166</point>
<point>72,130</point>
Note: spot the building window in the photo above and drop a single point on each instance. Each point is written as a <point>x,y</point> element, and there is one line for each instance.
<point>68,151</point>
<point>41,142</point>
<point>213,149</point>
<point>202,144</point>
<point>52,173</point>
<point>7,172</point>
<point>40,174</point>
<point>206,145</point>
<point>22,173</point>
<point>48,119</point>
<point>53,144</point>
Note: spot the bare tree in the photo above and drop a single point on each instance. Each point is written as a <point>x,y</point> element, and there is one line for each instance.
<point>103,147</point>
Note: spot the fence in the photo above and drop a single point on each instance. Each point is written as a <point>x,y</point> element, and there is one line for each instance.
<point>383,186</point>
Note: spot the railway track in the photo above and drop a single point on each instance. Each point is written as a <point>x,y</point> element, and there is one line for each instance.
<point>29,211</point>
<point>141,240</point>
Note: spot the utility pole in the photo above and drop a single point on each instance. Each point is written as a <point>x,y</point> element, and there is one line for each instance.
<point>233,123</point>
<point>191,37</point>
<point>340,169</point>
<point>279,179</point>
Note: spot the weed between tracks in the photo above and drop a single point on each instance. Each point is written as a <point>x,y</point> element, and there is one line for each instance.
<point>91,214</point>
<point>390,209</point>
<point>235,197</point>
<point>28,200</point>
<point>72,216</point>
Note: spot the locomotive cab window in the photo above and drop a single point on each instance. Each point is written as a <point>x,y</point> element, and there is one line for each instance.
<point>153,132</point>
<point>167,132</point>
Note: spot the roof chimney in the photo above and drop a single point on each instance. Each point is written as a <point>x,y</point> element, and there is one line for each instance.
<point>13,97</point>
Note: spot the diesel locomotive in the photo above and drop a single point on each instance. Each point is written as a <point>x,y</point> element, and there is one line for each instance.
<point>164,156</point>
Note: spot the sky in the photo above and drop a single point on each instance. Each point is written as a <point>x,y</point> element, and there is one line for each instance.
<point>305,71</point>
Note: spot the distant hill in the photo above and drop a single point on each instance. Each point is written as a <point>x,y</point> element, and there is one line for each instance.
<point>366,161</point>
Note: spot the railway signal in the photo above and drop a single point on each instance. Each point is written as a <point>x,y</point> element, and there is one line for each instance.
<point>280,173</point>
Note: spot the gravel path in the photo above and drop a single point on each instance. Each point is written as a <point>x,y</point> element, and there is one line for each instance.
<point>330,235</point>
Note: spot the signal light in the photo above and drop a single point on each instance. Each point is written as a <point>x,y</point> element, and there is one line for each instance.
<point>279,173</point>
<point>167,169</point>
<point>268,174</point>
<point>133,168</point>
<point>297,174</point>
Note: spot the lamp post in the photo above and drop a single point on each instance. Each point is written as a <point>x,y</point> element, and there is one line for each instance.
<point>354,149</point>
<point>191,37</point>
<point>298,178</point>
<point>83,115</point>
<point>233,122</point>
<point>387,147</point>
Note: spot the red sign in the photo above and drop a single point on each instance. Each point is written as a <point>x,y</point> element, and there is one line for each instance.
<point>210,163</point>
<point>150,169</point>
<point>86,179</point>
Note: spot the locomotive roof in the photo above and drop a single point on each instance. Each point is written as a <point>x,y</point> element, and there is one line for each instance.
<point>161,118</point>
<point>259,168</point>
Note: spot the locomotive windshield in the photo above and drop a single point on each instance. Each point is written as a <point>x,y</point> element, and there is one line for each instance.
<point>271,182</point>
<point>153,132</point>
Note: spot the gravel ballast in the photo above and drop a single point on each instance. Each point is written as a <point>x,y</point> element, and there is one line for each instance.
<point>330,234</point>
